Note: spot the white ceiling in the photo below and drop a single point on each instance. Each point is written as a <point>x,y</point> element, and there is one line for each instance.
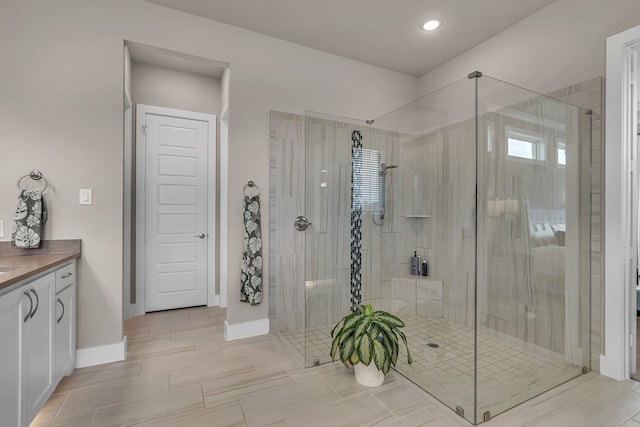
<point>380,32</point>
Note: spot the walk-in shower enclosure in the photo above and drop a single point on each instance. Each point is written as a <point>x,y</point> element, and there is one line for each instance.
<point>492,190</point>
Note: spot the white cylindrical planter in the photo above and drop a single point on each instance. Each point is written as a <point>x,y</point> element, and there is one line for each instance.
<point>369,376</point>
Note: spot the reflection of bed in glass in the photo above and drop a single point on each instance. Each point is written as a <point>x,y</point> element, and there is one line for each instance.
<point>546,237</point>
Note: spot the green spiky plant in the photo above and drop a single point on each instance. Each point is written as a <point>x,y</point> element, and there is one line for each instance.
<point>367,336</point>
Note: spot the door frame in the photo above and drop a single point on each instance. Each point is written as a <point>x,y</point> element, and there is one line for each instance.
<point>618,340</point>
<point>213,299</point>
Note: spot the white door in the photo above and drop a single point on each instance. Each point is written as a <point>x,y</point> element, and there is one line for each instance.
<point>175,193</point>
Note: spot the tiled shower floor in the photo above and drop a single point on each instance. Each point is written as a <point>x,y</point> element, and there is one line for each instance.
<point>508,373</point>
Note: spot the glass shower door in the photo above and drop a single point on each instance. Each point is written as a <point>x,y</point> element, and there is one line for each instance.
<point>332,268</point>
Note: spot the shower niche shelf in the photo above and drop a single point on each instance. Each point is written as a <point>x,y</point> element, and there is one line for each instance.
<point>416,215</point>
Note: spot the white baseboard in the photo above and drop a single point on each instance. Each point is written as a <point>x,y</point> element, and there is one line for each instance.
<point>136,310</point>
<point>612,367</point>
<point>101,354</point>
<point>253,328</point>
<point>214,301</point>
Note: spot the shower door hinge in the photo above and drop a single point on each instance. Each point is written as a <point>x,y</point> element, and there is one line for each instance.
<point>143,128</point>
<point>486,417</point>
<point>460,411</point>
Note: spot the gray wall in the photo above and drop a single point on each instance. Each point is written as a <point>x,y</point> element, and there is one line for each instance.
<point>163,87</point>
<point>61,81</point>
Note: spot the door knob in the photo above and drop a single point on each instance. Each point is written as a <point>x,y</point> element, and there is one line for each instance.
<point>201,235</point>
<point>301,223</point>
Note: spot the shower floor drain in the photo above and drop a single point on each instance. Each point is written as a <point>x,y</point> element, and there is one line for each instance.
<point>433,345</point>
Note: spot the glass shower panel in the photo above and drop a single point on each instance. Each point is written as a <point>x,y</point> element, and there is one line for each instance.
<point>429,210</point>
<point>330,281</point>
<point>533,237</point>
<point>490,185</point>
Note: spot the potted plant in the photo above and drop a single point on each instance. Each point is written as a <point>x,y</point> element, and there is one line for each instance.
<point>368,341</point>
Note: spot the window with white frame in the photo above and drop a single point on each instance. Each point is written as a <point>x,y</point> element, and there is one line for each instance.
<point>366,179</point>
<point>562,152</point>
<point>521,145</point>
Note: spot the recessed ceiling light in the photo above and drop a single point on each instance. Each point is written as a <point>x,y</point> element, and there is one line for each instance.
<point>431,24</point>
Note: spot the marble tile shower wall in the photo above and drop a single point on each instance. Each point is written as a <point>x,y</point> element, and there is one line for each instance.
<point>286,202</point>
<point>324,196</point>
<point>589,95</point>
<point>328,207</point>
<point>434,176</point>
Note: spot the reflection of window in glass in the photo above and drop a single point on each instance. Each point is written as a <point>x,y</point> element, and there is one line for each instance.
<point>490,137</point>
<point>562,153</point>
<point>525,146</point>
<point>366,179</point>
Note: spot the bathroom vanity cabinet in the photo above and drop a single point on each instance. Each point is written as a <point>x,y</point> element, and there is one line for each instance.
<point>65,323</point>
<point>37,332</point>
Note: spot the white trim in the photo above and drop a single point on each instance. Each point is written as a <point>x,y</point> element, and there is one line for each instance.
<point>101,354</point>
<point>224,198</point>
<point>141,111</point>
<point>615,358</point>
<point>136,309</point>
<point>213,300</point>
<point>126,205</point>
<point>212,217</point>
<point>248,329</point>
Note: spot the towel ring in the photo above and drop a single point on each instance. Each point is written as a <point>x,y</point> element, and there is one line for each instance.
<point>251,185</point>
<point>34,175</point>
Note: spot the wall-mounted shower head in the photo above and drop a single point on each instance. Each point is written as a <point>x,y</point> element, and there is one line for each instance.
<point>384,167</point>
<point>382,174</point>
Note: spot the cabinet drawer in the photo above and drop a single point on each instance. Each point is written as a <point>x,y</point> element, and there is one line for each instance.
<point>65,276</point>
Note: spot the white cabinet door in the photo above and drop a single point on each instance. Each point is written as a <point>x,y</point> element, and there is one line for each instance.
<point>65,331</point>
<point>13,307</point>
<point>40,344</point>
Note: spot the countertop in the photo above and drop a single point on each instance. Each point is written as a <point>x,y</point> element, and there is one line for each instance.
<point>17,265</point>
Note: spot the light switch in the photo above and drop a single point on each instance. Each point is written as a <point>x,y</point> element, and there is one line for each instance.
<point>86,197</point>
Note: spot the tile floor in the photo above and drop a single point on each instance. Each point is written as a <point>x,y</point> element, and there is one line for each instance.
<point>508,374</point>
<point>636,374</point>
<point>181,372</point>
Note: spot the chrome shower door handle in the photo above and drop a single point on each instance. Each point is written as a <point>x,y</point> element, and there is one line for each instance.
<point>201,235</point>
<point>301,223</point>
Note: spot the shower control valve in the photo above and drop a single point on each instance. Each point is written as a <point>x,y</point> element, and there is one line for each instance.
<point>301,223</point>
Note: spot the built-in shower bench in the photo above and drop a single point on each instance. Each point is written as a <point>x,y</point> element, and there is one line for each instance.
<point>417,296</point>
